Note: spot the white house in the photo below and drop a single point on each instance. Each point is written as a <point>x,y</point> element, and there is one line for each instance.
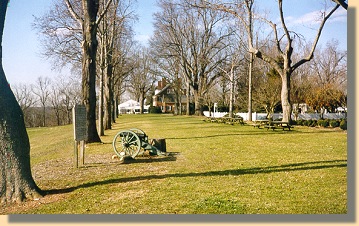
<point>131,107</point>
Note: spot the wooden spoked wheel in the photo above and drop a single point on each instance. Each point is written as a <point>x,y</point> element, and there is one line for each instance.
<point>126,143</point>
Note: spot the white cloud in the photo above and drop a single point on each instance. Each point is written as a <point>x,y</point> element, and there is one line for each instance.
<point>315,17</point>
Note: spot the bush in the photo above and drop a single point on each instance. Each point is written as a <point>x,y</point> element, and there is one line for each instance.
<point>323,123</point>
<point>313,123</point>
<point>343,124</point>
<point>155,110</point>
<point>300,122</point>
<point>334,123</point>
<point>310,123</point>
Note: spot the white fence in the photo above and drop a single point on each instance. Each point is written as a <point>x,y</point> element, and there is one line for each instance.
<point>258,116</point>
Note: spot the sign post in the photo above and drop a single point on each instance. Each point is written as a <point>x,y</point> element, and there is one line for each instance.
<point>80,133</point>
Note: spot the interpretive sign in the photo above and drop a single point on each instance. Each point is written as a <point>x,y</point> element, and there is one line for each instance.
<point>79,121</point>
<point>80,133</point>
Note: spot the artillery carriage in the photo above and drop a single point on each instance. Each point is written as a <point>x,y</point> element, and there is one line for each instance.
<point>133,142</point>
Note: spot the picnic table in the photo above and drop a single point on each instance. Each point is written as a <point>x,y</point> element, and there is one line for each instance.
<point>260,123</point>
<point>278,125</point>
<point>232,120</point>
<point>227,120</point>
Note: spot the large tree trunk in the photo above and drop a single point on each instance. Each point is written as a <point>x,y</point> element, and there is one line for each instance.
<point>198,103</point>
<point>285,98</point>
<point>16,181</point>
<point>89,48</point>
<point>108,90</point>
<point>250,70</point>
<point>188,95</point>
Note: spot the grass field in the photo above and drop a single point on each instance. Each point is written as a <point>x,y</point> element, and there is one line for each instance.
<point>212,168</point>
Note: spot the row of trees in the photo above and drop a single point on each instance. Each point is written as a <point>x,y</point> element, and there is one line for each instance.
<point>195,44</point>
<point>192,34</point>
<point>94,38</point>
<point>321,83</point>
<point>48,102</point>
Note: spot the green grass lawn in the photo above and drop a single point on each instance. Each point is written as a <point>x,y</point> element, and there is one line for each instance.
<point>213,168</point>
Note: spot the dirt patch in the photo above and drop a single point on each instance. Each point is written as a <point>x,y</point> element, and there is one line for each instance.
<point>58,178</point>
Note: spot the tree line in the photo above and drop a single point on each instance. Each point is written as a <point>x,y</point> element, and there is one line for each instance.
<point>198,43</point>
<point>208,50</point>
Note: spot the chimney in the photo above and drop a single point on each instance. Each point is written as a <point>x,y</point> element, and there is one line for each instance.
<point>164,83</point>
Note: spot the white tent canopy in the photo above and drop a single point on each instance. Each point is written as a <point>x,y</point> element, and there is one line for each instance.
<point>131,107</point>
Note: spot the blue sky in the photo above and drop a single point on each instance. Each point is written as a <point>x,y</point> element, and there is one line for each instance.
<point>21,49</point>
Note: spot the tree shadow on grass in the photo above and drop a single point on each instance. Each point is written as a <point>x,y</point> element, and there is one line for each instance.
<point>317,165</point>
<point>258,132</point>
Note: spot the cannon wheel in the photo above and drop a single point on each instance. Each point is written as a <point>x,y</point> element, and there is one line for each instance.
<point>126,143</point>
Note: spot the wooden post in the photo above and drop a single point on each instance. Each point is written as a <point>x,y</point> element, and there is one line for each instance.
<point>82,152</point>
<point>76,145</point>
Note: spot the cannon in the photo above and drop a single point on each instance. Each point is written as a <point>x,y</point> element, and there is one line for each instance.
<point>133,142</point>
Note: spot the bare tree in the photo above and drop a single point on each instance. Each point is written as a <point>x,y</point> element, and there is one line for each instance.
<point>330,65</point>
<point>16,181</point>
<point>42,90</point>
<point>234,61</point>
<point>122,68</point>
<point>70,90</point>
<point>243,11</point>
<point>89,21</point>
<point>196,37</point>
<point>284,48</point>
<point>328,78</point>
<point>286,68</point>
<point>141,79</point>
<point>112,30</point>
<point>267,93</point>
<point>61,35</point>
<point>24,96</point>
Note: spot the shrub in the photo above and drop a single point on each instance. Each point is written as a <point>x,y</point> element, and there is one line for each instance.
<point>154,110</point>
<point>307,122</point>
<point>301,122</point>
<point>323,123</point>
<point>343,124</point>
<point>313,123</point>
<point>334,123</point>
<point>326,123</point>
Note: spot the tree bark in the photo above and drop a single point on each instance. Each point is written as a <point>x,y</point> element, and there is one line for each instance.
<point>198,103</point>
<point>89,48</point>
<point>188,95</point>
<point>16,181</point>
<point>285,97</point>
<point>250,70</point>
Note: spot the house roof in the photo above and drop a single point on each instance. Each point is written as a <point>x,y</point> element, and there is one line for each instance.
<point>160,92</point>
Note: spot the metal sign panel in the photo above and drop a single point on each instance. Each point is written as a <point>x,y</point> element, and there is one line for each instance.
<point>79,122</point>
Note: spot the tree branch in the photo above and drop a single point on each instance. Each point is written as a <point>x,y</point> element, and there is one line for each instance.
<point>342,3</point>
<point>311,54</point>
<point>100,17</point>
<point>73,13</point>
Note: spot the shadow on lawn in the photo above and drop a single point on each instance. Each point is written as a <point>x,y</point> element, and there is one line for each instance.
<point>257,132</point>
<point>234,172</point>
